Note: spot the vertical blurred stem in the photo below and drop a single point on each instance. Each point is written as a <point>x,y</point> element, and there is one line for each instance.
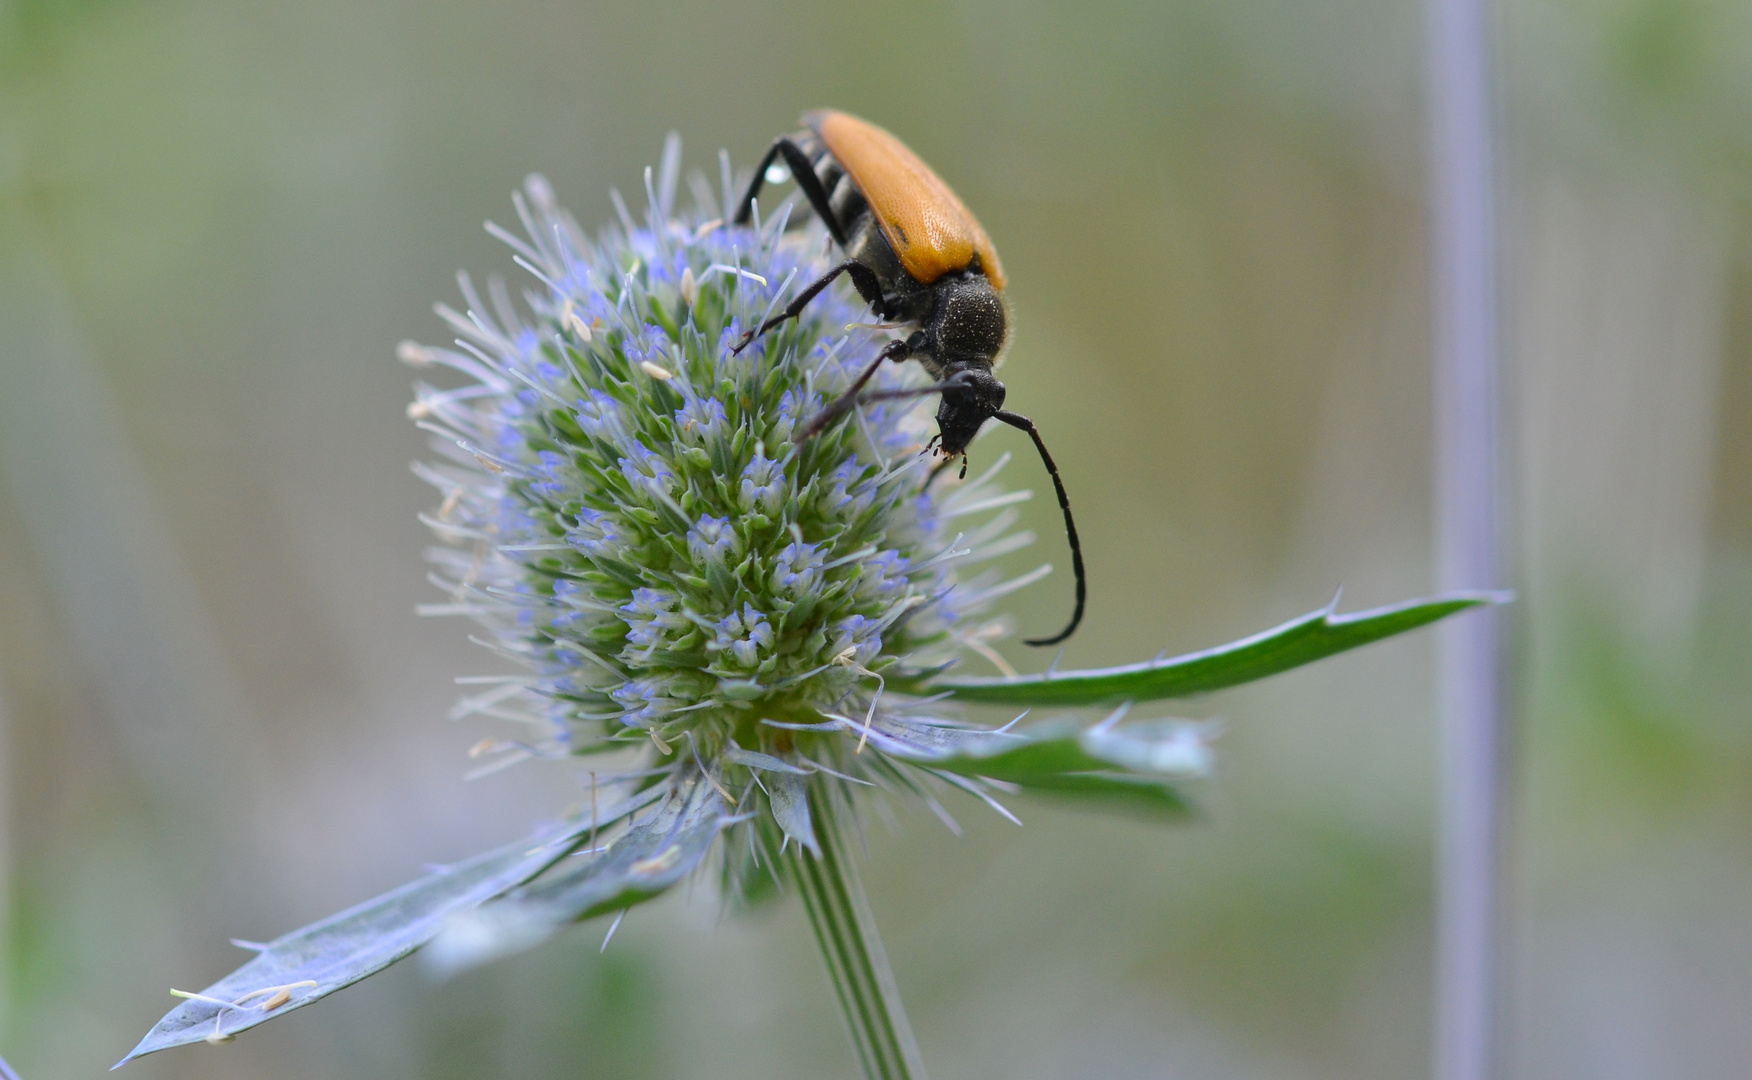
<point>1464,327</point>
<point>846,932</point>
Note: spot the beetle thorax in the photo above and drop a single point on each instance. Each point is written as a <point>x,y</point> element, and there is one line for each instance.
<point>967,320</point>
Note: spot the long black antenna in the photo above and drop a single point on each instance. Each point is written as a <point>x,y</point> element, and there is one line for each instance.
<point>1016,420</point>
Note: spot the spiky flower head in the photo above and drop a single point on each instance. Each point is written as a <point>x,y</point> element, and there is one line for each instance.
<point>626,512</point>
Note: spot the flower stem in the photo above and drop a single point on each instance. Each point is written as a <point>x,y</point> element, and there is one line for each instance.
<point>869,1001</point>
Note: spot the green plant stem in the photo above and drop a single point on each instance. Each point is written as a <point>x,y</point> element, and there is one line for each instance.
<point>833,895</point>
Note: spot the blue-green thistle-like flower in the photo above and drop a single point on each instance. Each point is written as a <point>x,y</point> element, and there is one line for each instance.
<point>626,513</point>
<point>729,633</point>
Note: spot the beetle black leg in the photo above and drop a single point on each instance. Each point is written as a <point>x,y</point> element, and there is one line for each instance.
<point>1016,420</point>
<point>869,287</point>
<point>953,382</point>
<point>794,308</point>
<point>745,208</point>
<point>802,171</point>
<point>861,277</point>
<point>894,350</point>
<point>845,401</point>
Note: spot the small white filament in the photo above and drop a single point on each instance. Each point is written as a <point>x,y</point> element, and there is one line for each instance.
<point>612,927</point>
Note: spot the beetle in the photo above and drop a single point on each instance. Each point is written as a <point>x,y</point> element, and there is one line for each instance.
<point>920,259</point>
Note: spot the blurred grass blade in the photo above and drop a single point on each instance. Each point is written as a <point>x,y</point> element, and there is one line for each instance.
<point>344,948</point>
<point>642,864</point>
<point>1300,641</point>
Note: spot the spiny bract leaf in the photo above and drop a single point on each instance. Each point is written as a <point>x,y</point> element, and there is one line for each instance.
<point>1130,766</point>
<point>1312,637</point>
<point>789,795</point>
<point>344,948</point>
<point>641,865</point>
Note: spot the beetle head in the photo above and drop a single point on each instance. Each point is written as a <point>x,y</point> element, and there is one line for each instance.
<point>967,404</point>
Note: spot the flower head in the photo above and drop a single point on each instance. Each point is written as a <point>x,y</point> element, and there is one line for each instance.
<point>625,510</point>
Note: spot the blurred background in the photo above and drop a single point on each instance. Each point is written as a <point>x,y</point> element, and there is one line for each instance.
<point>220,717</point>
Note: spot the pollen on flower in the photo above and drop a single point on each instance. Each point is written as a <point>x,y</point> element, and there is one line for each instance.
<point>626,514</point>
<point>570,320</point>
